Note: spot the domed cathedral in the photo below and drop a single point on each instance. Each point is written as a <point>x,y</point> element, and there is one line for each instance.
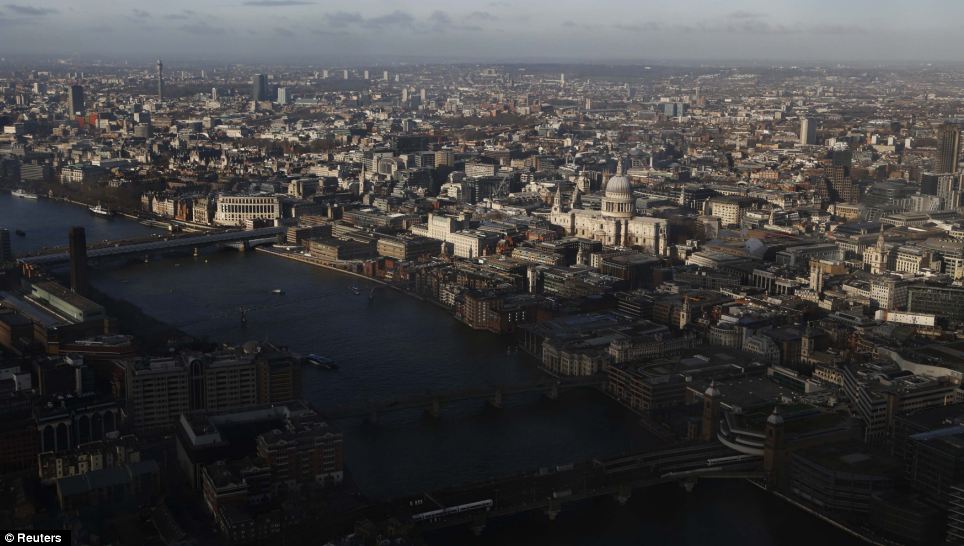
<point>616,224</point>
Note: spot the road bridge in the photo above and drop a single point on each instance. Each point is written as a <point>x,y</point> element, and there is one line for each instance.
<point>242,239</point>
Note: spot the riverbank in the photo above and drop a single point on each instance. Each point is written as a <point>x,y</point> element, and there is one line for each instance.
<point>644,421</point>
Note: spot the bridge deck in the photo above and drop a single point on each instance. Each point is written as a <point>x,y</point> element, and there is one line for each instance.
<point>548,489</point>
<point>428,399</point>
<point>188,241</point>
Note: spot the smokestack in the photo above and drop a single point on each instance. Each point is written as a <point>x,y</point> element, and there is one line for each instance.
<point>78,260</point>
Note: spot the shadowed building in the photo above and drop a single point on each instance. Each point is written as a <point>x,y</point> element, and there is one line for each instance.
<point>948,148</point>
<point>78,260</point>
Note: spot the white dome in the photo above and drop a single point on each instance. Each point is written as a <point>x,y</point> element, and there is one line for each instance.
<point>775,418</point>
<point>619,186</point>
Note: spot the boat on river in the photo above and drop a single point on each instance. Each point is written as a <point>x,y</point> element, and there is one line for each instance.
<point>321,362</point>
<point>100,211</point>
<point>23,194</point>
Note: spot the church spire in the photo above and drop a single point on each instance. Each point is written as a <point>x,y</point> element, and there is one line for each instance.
<point>557,200</point>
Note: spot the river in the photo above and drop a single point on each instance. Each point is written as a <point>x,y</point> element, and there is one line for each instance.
<point>397,346</point>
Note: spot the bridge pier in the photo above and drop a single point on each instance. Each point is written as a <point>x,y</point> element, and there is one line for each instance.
<point>553,393</point>
<point>622,496</point>
<point>436,409</point>
<point>477,525</point>
<point>496,400</point>
<point>689,484</point>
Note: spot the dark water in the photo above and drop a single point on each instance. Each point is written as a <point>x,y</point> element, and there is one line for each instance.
<point>46,223</point>
<point>398,346</point>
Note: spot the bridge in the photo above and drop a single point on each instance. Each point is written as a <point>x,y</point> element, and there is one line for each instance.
<point>432,403</point>
<point>241,239</point>
<point>549,489</point>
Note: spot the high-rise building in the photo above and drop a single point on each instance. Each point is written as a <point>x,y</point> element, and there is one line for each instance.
<point>949,191</point>
<point>948,148</point>
<point>6,249</point>
<point>78,260</point>
<point>214,93</point>
<point>157,393</point>
<point>75,99</point>
<point>160,80</point>
<point>282,96</point>
<point>808,131</point>
<point>842,187</point>
<point>259,88</point>
<point>366,74</point>
<point>345,73</point>
<point>385,75</point>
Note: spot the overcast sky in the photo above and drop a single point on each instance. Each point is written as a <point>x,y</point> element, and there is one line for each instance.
<point>552,30</point>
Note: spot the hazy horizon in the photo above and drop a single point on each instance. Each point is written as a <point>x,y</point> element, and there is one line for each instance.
<point>381,31</point>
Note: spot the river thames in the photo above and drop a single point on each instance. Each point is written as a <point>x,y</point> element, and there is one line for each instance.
<point>397,346</point>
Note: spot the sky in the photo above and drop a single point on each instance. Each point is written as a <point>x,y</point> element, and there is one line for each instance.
<point>385,31</point>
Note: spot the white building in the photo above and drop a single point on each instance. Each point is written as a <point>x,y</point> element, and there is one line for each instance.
<point>235,210</point>
<point>616,224</point>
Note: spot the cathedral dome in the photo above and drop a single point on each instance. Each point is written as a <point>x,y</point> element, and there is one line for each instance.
<point>619,187</point>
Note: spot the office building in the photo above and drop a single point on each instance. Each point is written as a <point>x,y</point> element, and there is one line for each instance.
<point>259,88</point>
<point>842,187</point>
<point>235,210</point>
<point>306,450</point>
<point>6,248</point>
<point>75,100</point>
<point>282,96</point>
<point>948,148</point>
<point>158,392</point>
<point>808,131</point>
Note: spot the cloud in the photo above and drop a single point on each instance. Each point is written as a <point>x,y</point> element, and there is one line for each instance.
<point>342,18</point>
<point>30,10</point>
<point>744,14</point>
<point>736,23</point>
<point>648,26</point>
<point>483,16</point>
<point>281,31</point>
<point>200,27</point>
<point>440,18</point>
<point>140,13</point>
<point>395,18</point>
<point>177,16</point>
<point>336,33</point>
<point>437,21</point>
<point>275,3</point>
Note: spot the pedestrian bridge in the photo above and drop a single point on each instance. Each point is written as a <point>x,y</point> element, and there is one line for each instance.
<point>433,402</point>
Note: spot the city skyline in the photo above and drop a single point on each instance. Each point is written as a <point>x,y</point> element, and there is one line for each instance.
<point>379,31</point>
